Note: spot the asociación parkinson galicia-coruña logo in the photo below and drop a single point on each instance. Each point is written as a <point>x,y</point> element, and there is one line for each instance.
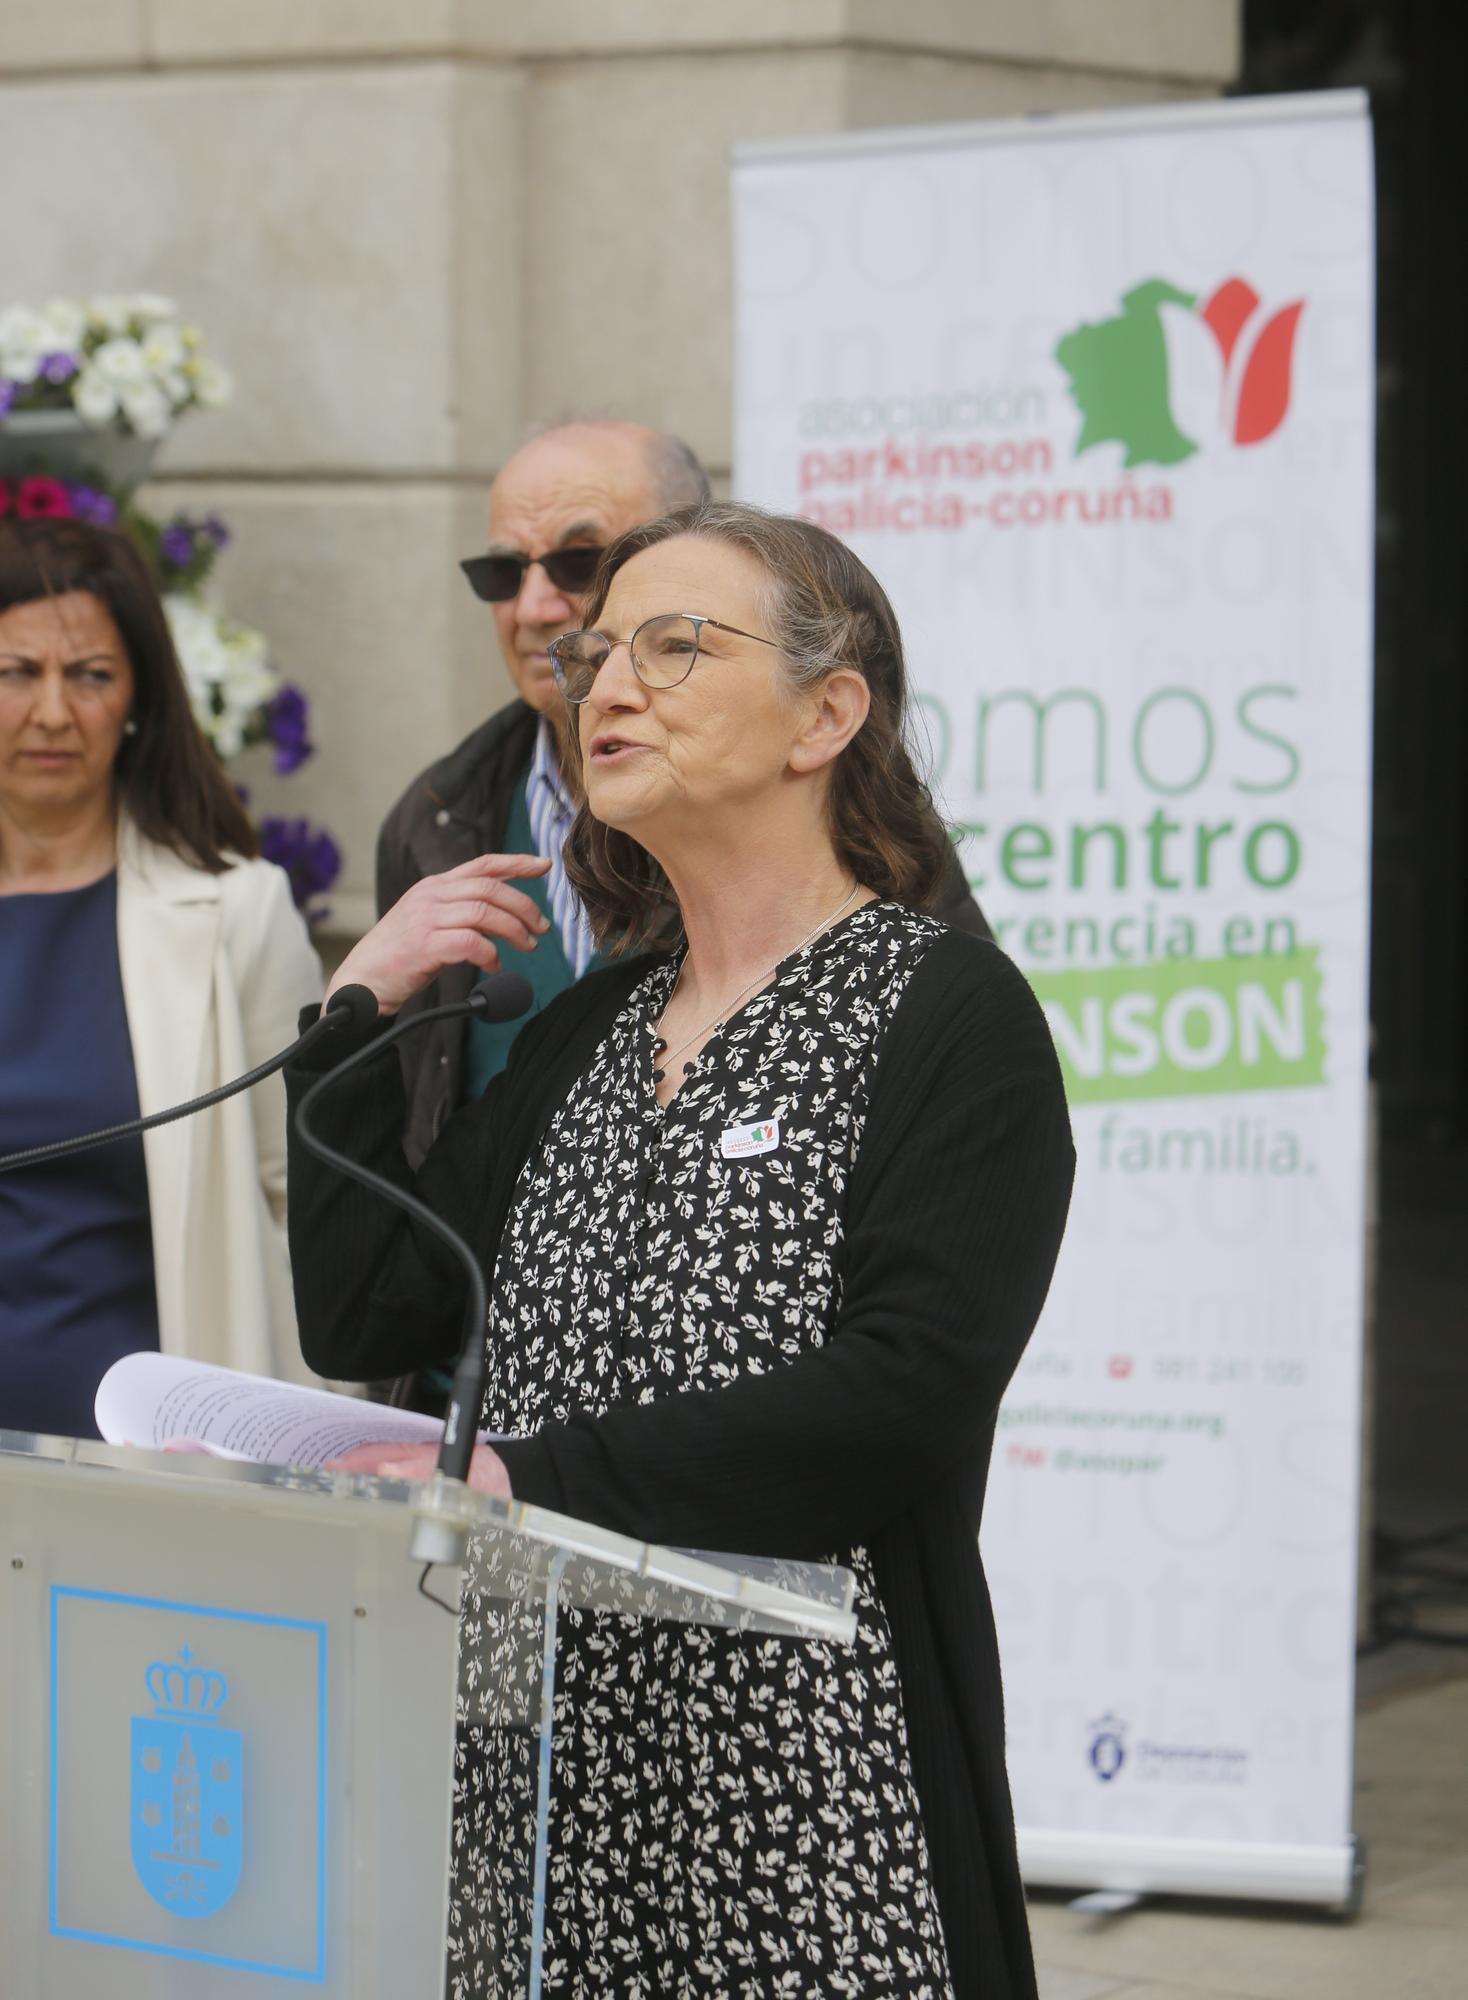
<point>1170,372</point>
<point>1161,372</point>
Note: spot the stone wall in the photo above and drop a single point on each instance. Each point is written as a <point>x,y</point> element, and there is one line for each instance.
<point>413,228</point>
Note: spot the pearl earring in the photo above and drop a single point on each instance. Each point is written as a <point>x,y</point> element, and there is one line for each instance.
<point>129,728</point>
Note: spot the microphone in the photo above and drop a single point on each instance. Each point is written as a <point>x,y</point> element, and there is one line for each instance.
<point>351,1007</point>
<point>441,1527</point>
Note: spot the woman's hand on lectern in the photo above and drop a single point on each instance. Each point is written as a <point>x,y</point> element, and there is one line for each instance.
<point>487,1472</point>
<point>448,919</point>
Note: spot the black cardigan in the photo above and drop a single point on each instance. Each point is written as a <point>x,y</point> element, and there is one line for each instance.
<point>882,1437</point>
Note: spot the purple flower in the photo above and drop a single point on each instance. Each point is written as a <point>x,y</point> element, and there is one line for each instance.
<point>215,529</point>
<point>308,854</point>
<point>178,543</point>
<point>7,396</point>
<point>58,367</point>
<point>288,726</point>
<point>88,503</point>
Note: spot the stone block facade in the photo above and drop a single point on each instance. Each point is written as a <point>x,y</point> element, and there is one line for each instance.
<point>415,230</point>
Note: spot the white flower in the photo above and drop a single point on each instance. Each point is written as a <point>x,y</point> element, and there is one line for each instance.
<point>94,398</point>
<point>228,734</point>
<point>65,323</point>
<point>24,343</point>
<point>147,410</point>
<point>110,311</point>
<point>152,306</point>
<point>18,324</point>
<point>120,362</point>
<point>213,385</point>
<point>196,635</point>
<point>249,678</point>
<point>166,355</point>
<point>226,666</point>
<point>163,347</point>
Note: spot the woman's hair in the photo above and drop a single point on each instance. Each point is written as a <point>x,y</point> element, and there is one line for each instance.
<point>168,780</point>
<point>824,609</point>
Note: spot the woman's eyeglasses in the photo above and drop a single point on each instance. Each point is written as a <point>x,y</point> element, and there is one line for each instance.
<point>663,651</point>
<point>498,578</point>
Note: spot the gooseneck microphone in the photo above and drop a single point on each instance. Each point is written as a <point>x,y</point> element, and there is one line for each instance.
<point>351,1007</point>
<point>440,1531</point>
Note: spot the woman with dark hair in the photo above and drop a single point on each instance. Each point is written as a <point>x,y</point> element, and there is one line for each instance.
<point>145,956</point>
<point>768,1218</point>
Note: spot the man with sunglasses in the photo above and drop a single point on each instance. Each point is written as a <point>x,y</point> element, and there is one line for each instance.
<point>555,505</point>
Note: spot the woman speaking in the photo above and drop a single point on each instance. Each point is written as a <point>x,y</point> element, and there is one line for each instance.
<point>768,1218</point>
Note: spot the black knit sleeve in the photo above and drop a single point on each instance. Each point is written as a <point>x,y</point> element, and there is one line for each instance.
<point>377,1295</point>
<point>956,1210</point>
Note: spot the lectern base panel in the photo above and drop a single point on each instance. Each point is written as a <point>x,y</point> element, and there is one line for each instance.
<point>227,1718</point>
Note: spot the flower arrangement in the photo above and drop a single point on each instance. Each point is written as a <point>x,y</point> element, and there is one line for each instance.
<point>127,360</point>
<point>87,390</point>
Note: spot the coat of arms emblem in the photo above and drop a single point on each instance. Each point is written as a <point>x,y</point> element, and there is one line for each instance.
<point>187,1791</point>
<point>1108,1747</point>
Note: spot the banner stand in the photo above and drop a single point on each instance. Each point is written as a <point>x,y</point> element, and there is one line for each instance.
<point>1094,398</point>
<point>1251,1871</point>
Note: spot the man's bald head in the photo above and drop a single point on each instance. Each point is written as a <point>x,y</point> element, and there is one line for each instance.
<point>578,484</point>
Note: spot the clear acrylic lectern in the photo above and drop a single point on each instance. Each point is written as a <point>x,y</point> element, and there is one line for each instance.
<point>227,1716</point>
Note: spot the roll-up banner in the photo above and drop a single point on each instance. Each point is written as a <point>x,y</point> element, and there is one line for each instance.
<point>1093,397</point>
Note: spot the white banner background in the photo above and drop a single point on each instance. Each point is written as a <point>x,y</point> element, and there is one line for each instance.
<point>1170,528</point>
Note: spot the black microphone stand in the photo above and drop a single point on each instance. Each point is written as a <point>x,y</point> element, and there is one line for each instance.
<point>441,1528</point>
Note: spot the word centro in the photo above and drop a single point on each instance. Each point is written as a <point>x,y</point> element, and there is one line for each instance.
<point>1163,852</point>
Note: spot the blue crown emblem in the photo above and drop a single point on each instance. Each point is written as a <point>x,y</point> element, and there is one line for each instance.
<point>1107,1751</point>
<point>187,1790</point>
<point>190,1693</point>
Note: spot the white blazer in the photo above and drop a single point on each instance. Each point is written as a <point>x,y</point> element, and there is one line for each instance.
<point>215,969</point>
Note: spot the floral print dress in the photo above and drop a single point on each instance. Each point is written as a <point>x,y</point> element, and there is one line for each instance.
<point>731,1814</point>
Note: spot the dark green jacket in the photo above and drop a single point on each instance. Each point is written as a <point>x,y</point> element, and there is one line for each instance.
<point>457,808</point>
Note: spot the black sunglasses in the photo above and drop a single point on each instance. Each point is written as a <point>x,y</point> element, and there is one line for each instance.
<point>499,578</point>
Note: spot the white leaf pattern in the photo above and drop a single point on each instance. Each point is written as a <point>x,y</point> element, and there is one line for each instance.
<point>732,1815</point>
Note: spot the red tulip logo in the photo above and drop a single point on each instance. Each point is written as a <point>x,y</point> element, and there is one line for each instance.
<point>1257,357</point>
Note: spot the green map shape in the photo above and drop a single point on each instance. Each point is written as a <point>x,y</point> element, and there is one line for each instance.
<point>1118,377</point>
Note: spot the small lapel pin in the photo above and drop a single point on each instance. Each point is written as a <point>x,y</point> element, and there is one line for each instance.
<point>741,1142</point>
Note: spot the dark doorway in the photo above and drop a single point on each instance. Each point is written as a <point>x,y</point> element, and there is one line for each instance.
<point>1402,52</point>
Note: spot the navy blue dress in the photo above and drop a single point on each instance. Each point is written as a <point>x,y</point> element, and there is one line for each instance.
<point>76,1246</point>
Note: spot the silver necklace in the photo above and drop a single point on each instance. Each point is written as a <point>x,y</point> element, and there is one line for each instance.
<point>660,1046</point>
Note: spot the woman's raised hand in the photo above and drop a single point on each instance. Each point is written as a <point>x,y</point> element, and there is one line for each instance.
<point>448,919</point>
